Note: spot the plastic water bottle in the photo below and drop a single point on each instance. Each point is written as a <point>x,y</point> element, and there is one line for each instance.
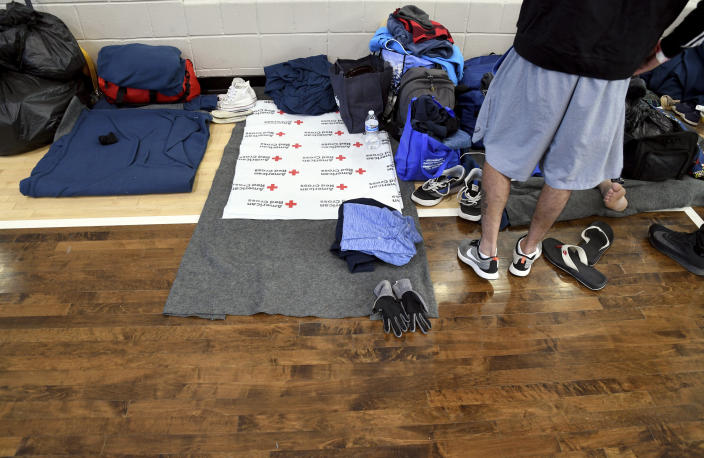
<point>371,131</point>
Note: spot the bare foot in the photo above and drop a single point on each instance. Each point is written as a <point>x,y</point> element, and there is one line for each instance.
<point>614,195</point>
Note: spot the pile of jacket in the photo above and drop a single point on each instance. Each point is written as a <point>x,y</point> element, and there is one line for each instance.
<point>409,30</point>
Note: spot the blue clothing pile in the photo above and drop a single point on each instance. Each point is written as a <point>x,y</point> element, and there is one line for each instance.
<point>301,86</point>
<point>453,65</point>
<point>681,77</point>
<point>156,151</point>
<point>368,230</point>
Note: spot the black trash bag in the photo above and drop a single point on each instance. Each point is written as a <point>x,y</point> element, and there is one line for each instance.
<point>31,110</point>
<point>642,120</point>
<point>38,44</point>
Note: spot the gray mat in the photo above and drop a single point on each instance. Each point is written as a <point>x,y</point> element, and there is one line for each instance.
<point>243,267</point>
<point>642,196</point>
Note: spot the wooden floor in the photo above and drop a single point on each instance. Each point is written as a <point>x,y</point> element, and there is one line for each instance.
<point>535,366</point>
<point>14,206</point>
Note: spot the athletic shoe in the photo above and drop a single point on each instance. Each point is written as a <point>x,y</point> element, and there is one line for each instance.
<point>487,268</point>
<point>239,97</point>
<point>522,262</point>
<point>470,197</point>
<point>436,189</point>
<point>235,107</point>
<point>687,112</point>
<point>685,248</point>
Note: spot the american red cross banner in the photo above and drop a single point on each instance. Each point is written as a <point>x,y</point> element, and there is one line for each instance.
<point>304,167</point>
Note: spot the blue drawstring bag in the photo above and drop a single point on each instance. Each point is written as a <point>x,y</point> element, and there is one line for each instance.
<point>419,156</point>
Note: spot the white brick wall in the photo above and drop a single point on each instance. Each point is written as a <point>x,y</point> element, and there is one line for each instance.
<point>240,37</point>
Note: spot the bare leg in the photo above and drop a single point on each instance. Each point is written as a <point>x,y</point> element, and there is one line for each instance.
<point>614,195</point>
<point>550,205</point>
<point>495,190</point>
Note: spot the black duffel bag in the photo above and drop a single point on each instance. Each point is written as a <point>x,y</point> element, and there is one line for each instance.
<point>660,157</point>
<point>656,147</point>
<point>360,85</point>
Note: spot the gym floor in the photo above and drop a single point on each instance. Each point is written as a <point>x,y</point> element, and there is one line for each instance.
<point>534,366</point>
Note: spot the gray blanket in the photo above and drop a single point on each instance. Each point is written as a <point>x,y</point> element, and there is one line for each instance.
<point>243,267</point>
<point>642,196</point>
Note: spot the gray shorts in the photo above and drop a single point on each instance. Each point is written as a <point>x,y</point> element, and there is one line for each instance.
<point>569,124</point>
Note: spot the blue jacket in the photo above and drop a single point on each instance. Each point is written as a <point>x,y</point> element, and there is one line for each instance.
<point>301,86</point>
<point>453,65</point>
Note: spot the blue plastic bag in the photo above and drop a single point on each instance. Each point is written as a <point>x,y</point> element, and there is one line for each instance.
<point>400,63</point>
<point>419,156</point>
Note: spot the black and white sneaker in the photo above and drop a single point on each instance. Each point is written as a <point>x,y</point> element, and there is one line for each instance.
<point>485,267</point>
<point>522,262</point>
<point>433,191</point>
<point>470,197</point>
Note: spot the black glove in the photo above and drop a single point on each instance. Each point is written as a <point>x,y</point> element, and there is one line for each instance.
<point>392,313</point>
<point>414,306</point>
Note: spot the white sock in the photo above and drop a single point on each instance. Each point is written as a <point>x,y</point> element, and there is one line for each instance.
<point>523,254</point>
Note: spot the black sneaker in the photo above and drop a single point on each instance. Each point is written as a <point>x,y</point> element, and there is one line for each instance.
<point>686,249</point>
<point>436,189</point>
<point>470,197</point>
<point>487,268</point>
<point>522,263</point>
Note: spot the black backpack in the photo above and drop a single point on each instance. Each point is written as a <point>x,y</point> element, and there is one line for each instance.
<point>415,82</point>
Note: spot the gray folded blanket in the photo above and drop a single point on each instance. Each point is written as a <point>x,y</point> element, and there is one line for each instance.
<point>642,196</point>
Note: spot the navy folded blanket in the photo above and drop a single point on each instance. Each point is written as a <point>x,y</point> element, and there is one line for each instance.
<point>158,68</point>
<point>157,151</point>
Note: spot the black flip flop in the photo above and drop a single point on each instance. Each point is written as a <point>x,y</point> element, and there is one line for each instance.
<point>573,260</point>
<point>596,239</point>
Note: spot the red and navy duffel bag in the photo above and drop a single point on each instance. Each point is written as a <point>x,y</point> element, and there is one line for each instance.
<point>139,74</point>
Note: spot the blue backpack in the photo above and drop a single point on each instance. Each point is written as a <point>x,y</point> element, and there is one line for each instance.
<point>468,104</point>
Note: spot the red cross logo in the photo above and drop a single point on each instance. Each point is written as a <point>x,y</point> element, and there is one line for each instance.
<point>298,121</point>
<point>358,144</point>
<point>342,187</point>
<point>360,170</point>
<point>281,111</point>
<point>290,204</point>
<point>280,134</point>
<point>272,187</point>
<point>340,157</point>
<point>296,145</point>
<point>339,132</point>
<point>277,158</point>
<point>294,172</point>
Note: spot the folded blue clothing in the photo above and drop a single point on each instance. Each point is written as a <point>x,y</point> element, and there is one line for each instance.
<point>380,232</point>
<point>140,66</point>
<point>149,152</point>
<point>301,86</point>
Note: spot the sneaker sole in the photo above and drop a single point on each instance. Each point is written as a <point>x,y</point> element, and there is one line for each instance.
<point>518,273</point>
<point>476,269</point>
<point>468,217</point>
<point>426,203</point>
